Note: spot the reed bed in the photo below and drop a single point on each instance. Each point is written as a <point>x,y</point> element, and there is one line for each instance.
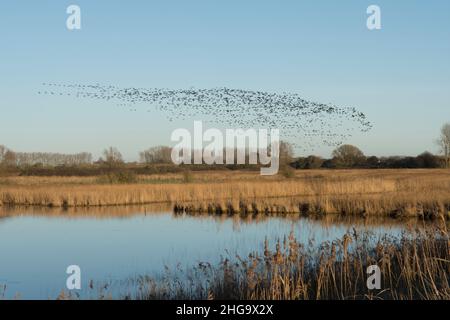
<point>414,266</point>
<point>85,212</point>
<point>423,193</point>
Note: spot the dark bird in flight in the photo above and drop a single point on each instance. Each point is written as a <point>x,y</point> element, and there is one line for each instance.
<point>303,123</point>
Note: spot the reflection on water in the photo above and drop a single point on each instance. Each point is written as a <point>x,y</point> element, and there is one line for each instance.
<point>118,243</point>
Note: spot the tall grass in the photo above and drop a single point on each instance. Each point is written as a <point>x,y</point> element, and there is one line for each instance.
<point>424,193</point>
<point>413,266</point>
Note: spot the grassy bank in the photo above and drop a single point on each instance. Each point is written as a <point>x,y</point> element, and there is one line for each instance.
<point>414,266</point>
<point>424,193</point>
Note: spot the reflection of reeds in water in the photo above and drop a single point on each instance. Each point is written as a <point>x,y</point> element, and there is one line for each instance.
<point>324,221</point>
<point>414,266</point>
<point>107,212</point>
<point>91,212</point>
<point>396,193</point>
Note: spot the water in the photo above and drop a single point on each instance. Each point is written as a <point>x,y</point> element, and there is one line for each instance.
<point>113,245</point>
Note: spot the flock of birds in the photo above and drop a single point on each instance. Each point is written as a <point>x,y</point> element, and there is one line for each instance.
<point>303,123</point>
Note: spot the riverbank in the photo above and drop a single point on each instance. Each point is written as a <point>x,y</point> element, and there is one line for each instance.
<point>421,193</point>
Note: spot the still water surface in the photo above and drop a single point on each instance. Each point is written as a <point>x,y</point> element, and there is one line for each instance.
<point>112,245</point>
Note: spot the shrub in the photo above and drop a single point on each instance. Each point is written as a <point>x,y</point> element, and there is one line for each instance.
<point>118,177</point>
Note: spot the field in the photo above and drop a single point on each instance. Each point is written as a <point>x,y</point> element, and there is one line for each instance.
<point>387,192</point>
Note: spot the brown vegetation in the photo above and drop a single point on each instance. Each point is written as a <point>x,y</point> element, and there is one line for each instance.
<point>422,193</point>
<point>412,267</point>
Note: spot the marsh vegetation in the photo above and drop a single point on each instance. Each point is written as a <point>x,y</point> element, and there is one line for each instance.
<point>397,193</point>
<point>415,265</point>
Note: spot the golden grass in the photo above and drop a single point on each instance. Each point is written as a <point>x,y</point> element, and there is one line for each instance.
<point>365,192</point>
<point>415,266</point>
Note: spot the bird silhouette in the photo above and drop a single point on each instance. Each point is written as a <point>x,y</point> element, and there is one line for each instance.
<point>302,122</point>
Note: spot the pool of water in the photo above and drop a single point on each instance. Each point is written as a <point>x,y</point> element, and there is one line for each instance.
<point>36,246</point>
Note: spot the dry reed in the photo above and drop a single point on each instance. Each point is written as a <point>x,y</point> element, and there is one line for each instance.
<point>413,266</point>
<point>423,193</point>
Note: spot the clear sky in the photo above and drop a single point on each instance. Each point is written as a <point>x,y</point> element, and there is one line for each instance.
<point>399,75</point>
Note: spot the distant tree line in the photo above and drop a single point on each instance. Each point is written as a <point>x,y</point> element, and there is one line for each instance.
<point>158,160</point>
<point>347,161</point>
<point>46,159</point>
<point>52,159</point>
<point>348,156</point>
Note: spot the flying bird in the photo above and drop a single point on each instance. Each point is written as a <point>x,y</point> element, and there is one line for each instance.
<point>304,123</point>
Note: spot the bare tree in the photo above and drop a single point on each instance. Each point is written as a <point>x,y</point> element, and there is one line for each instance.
<point>112,157</point>
<point>3,151</point>
<point>52,159</point>
<point>7,157</point>
<point>286,153</point>
<point>159,154</point>
<point>444,143</point>
<point>10,159</point>
<point>348,156</point>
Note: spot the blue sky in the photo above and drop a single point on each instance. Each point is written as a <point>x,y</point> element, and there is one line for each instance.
<point>399,76</point>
